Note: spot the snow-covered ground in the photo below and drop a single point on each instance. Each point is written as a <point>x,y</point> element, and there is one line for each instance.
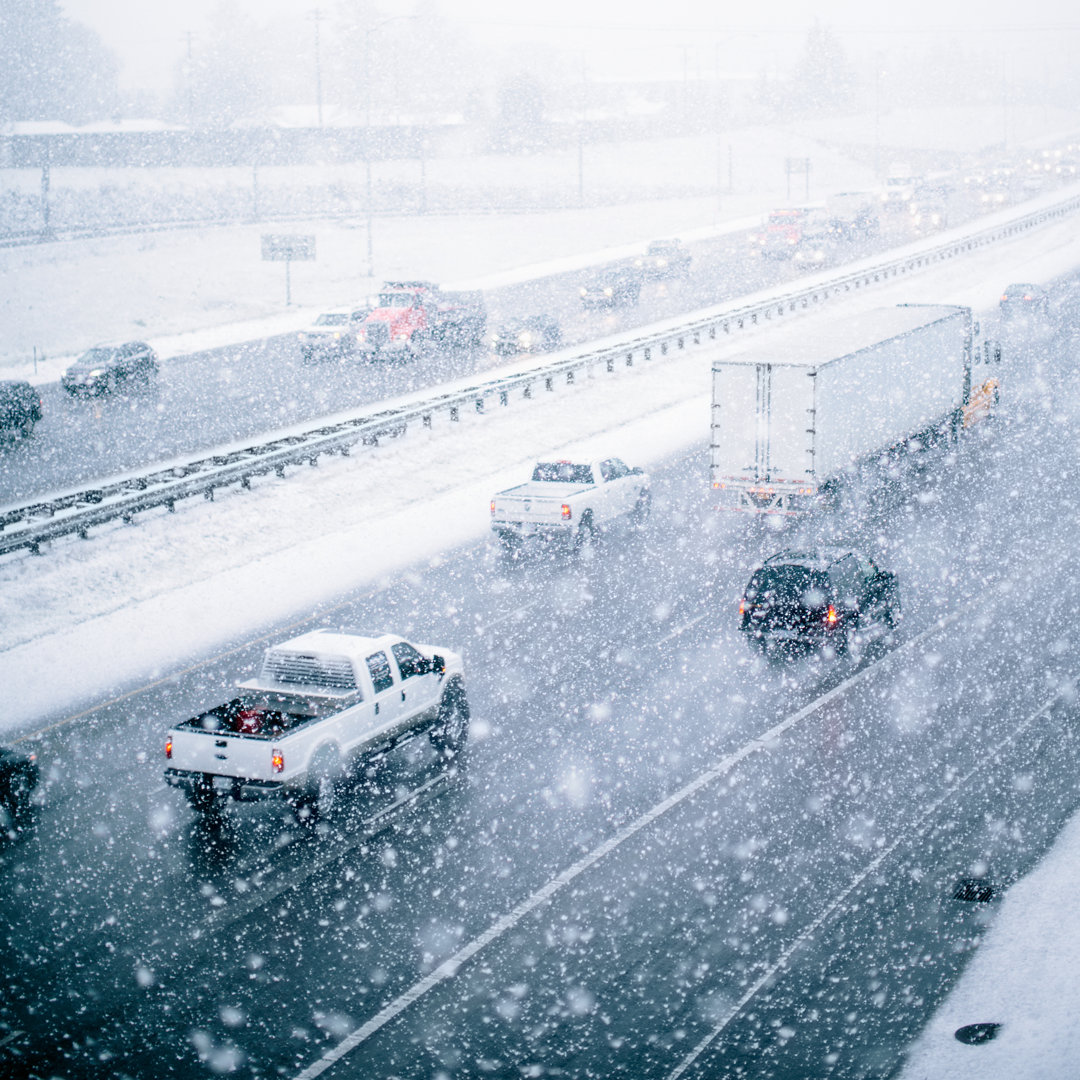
<point>135,603</point>
<point>190,289</point>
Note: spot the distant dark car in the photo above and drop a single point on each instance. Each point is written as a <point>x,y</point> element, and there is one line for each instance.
<point>18,778</point>
<point>819,599</point>
<point>1024,300</point>
<point>664,258</point>
<point>107,368</point>
<point>533,333</point>
<point>618,286</point>
<point>20,408</point>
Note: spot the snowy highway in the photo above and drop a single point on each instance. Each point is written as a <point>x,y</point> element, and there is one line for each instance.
<point>218,397</point>
<point>665,855</point>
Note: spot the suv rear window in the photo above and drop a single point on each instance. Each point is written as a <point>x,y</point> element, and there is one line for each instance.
<point>790,585</point>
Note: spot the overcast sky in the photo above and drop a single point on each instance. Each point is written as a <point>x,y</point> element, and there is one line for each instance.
<point>620,36</point>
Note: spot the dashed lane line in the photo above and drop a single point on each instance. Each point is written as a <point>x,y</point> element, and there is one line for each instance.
<point>450,967</point>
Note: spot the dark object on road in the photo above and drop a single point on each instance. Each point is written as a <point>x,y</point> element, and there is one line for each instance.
<point>817,598</point>
<point>18,778</point>
<point>106,368</point>
<point>20,408</point>
<point>976,1034</point>
<point>1024,300</point>
<point>616,286</point>
<point>533,333</point>
<point>664,258</point>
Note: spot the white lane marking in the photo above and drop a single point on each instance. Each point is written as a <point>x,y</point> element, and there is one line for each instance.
<point>682,629</point>
<point>808,933</point>
<point>509,615</point>
<point>449,968</point>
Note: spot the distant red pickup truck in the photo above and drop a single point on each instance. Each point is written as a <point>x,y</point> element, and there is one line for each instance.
<point>414,316</point>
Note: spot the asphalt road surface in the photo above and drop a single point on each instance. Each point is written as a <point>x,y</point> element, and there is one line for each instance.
<point>664,855</point>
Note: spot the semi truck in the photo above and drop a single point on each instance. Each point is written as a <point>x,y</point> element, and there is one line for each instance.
<point>797,410</point>
<point>413,316</point>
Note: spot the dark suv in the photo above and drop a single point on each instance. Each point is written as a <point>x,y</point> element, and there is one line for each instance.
<point>106,368</point>
<point>20,408</point>
<point>818,598</point>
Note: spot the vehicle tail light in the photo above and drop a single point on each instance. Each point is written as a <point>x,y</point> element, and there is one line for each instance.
<point>168,748</point>
<point>1004,298</point>
<point>277,761</point>
<point>742,607</point>
<point>492,507</point>
<point>830,616</point>
<point>566,512</point>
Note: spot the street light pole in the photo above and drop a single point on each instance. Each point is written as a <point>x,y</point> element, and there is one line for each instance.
<point>368,33</point>
<point>317,17</point>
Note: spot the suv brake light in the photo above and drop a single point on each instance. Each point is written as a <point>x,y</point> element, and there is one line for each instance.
<point>831,616</point>
<point>566,512</point>
<point>277,761</point>
<point>168,748</point>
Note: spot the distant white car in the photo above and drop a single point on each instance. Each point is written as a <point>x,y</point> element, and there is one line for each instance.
<point>332,335</point>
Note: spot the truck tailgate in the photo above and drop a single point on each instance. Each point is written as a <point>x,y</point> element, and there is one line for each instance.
<point>222,753</point>
<point>536,501</point>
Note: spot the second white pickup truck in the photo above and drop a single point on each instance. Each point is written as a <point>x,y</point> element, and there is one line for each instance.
<point>323,704</point>
<point>571,501</point>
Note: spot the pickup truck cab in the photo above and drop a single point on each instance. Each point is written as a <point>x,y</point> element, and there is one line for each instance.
<point>571,501</point>
<point>322,705</point>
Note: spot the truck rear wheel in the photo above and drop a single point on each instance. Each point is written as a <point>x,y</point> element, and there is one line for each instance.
<point>452,727</point>
<point>203,799</point>
<point>320,795</point>
<point>585,533</point>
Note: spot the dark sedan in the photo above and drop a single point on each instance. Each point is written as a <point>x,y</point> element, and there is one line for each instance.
<point>618,286</point>
<point>20,408</point>
<point>1024,300</point>
<point>105,369</point>
<point>532,333</point>
<point>819,599</point>
<point>18,778</point>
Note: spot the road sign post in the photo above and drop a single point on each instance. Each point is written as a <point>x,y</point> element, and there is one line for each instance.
<point>285,248</point>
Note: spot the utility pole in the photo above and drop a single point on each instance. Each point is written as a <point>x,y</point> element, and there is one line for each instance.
<point>189,73</point>
<point>368,34</point>
<point>317,17</point>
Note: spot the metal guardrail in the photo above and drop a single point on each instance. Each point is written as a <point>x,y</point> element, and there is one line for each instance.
<point>34,524</point>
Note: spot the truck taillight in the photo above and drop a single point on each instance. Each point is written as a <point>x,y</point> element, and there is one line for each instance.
<point>742,607</point>
<point>566,512</point>
<point>492,507</point>
<point>168,748</point>
<point>831,616</point>
<point>277,761</point>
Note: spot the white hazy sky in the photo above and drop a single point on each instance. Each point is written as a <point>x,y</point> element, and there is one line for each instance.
<point>622,34</point>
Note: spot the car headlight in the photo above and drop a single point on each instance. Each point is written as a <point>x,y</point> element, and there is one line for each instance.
<point>583,291</point>
<point>337,335</point>
<point>608,290</point>
<point>96,373</point>
<point>525,338</point>
<point>661,263</point>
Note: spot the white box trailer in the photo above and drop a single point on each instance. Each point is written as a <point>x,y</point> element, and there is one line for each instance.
<point>795,409</point>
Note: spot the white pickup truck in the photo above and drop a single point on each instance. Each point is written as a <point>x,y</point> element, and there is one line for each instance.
<point>571,501</point>
<point>323,704</point>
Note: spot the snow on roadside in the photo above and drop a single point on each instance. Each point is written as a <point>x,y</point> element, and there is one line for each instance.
<point>1025,976</point>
